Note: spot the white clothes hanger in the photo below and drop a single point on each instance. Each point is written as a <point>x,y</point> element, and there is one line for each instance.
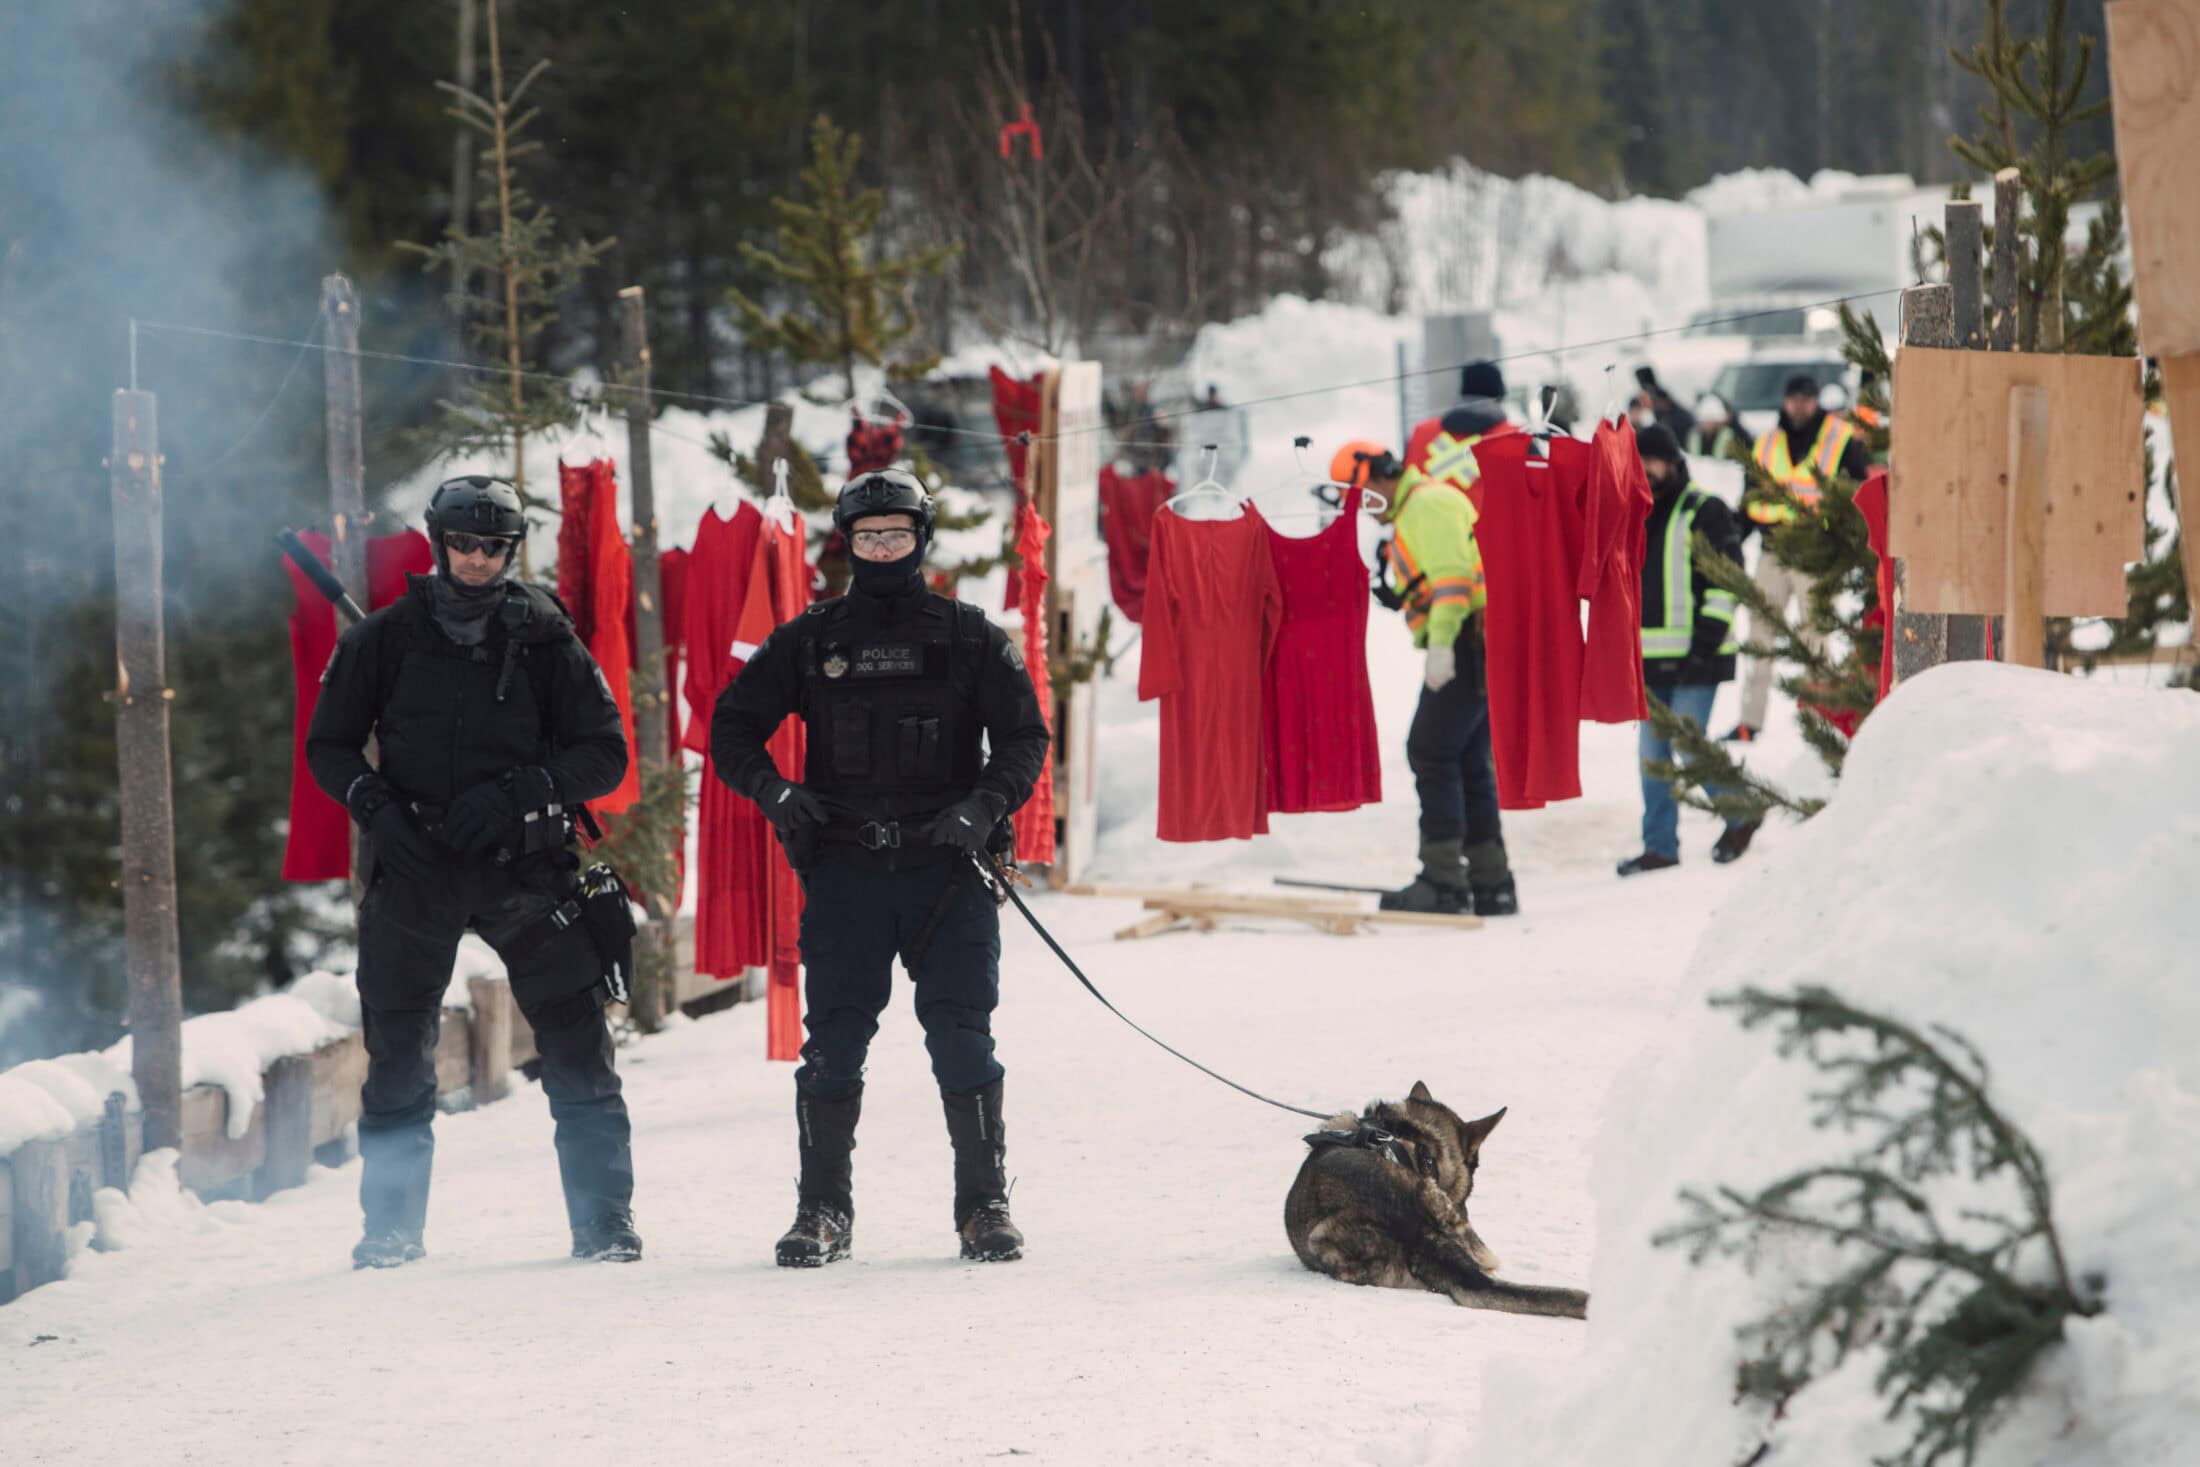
<point>1371,501</point>
<point>1614,410</point>
<point>779,509</point>
<point>884,397</point>
<point>1207,488</point>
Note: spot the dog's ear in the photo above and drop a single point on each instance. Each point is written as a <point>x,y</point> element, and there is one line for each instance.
<point>1473,1133</point>
<point>1419,1091</point>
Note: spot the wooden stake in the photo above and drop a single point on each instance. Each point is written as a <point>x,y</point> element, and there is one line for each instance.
<point>347,471</point>
<point>2181,387</point>
<point>147,795</point>
<point>2008,251</point>
<point>41,1221</point>
<point>2024,625</point>
<point>652,945</point>
<point>1967,639</point>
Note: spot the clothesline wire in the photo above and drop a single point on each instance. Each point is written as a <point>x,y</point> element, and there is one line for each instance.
<point>409,359</point>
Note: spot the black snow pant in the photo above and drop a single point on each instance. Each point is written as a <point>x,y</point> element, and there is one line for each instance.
<point>864,909</point>
<point>1448,749</point>
<point>408,941</point>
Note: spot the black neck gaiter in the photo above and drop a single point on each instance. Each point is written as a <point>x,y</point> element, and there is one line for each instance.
<point>463,611</point>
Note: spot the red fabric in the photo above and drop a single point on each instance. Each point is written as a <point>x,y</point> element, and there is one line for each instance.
<point>1016,407</point>
<point>596,583</point>
<point>1531,538</point>
<point>1127,508</point>
<point>318,846</point>
<point>1317,709</point>
<point>778,590</point>
<point>1035,820</point>
<point>672,567</point>
<point>1212,611</point>
<point>1614,542</point>
<point>732,837</point>
<point>872,445</point>
<point>1872,500</point>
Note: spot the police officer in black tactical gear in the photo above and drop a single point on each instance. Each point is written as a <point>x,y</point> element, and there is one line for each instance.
<point>894,685</point>
<point>493,723</point>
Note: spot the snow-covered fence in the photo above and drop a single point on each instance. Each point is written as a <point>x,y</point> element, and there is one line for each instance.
<point>269,1088</point>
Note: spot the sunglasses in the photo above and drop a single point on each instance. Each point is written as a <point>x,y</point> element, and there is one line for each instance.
<point>495,547</point>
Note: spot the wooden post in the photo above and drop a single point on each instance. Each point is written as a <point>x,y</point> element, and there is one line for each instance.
<point>141,739</point>
<point>492,1038</point>
<point>2024,625</point>
<point>2008,253</point>
<point>652,945</point>
<point>1967,639</point>
<point>41,1213</point>
<point>287,1100</point>
<point>347,469</point>
<point>2181,389</point>
<point>778,440</point>
<point>1920,641</point>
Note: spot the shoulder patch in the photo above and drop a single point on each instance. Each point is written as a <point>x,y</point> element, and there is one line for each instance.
<point>1012,654</point>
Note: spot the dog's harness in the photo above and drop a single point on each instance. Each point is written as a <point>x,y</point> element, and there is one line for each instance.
<point>1365,1137</point>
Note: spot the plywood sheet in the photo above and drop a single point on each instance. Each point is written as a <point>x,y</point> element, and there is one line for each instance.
<point>1948,498</point>
<point>2154,78</point>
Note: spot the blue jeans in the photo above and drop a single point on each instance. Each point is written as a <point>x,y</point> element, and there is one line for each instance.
<point>1661,816</point>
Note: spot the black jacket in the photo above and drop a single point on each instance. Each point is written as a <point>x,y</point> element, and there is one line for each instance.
<point>894,692</point>
<point>1704,662</point>
<point>432,704</point>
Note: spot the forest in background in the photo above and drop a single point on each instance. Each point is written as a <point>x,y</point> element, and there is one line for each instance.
<point>208,161</point>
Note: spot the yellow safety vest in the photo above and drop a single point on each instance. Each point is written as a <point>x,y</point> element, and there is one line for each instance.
<point>1676,634</point>
<point>1801,480</point>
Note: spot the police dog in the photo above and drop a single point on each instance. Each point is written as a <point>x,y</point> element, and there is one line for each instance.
<point>1382,1199</point>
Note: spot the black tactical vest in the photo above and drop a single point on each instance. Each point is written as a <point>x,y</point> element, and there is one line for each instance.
<point>442,727</point>
<point>891,706</point>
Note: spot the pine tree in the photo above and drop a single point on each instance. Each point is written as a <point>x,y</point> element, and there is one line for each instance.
<point>845,307</point>
<point>1946,1292</point>
<point>506,283</point>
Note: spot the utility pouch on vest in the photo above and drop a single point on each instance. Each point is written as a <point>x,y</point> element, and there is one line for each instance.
<point>609,917</point>
<point>542,817</point>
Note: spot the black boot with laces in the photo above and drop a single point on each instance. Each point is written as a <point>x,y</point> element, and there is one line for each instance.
<point>824,1219</point>
<point>821,1234</point>
<point>981,1180</point>
<point>608,1238</point>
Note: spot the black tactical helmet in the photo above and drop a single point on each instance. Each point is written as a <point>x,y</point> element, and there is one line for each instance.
<point>477,504</point>
<point>884,491</point>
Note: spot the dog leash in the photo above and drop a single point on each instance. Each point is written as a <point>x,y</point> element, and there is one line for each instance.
<point>1004,883</point>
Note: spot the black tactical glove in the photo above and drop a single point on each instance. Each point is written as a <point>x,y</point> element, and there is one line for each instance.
<point>399,844</point>
<point>968,823</point>
<point>484,817</point>
<point>792,810</point>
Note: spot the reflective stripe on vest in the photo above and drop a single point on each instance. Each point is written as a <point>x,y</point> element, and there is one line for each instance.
<point>1825,457</point>
<point>1453,459</point>
<point>1674,638</point>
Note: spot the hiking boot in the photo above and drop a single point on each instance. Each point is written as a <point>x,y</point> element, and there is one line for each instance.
<point>1740,733</point>
<point>988,1235</point>
<point>1441,887</point>
<point>387,1248</point>
<point>609,1238</point>
<point>821,1234</point>
<point>1734,841</point>
<point>1499,899</point>
<point>1647,861</point>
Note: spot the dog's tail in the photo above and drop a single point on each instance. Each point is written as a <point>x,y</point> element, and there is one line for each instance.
<point>1511,1298</point>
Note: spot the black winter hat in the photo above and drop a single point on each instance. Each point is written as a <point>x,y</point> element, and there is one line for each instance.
<point>1481,379</point>
<point>1657,441</point>
<point>1801,383</point>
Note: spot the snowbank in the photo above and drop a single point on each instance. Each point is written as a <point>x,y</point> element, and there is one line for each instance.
<point>2011,854</point>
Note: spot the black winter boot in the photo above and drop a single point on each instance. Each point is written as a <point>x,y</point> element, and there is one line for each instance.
<point>608,1238</point>
<point>1490,887</point>
<point>388,1248</point>
<point>824,1219</point>
<point>1441,887</point>
<point>987,1233</point>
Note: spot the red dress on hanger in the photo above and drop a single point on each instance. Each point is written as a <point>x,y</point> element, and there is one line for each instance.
<point>732,835</point>
<point>596,583</point>
<point>1212,610</point>
<point>1613,545</point>
<point>1531,539</point>
<point>1127,508</point>
<point>1319,713</point>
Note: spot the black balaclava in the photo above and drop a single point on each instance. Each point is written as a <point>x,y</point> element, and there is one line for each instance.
<point>463,611</point>
<point>888,578</point>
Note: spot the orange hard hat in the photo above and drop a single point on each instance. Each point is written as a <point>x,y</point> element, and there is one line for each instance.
<point>1350,463</point>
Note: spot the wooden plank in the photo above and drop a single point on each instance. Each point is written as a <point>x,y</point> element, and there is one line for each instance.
<point>492,1039</point>
<point>1208,895</point>
<point>2025,621</point>
<point>288,1106</point>
<point>41,1221</point>
<point>1459,921</point>
<point>213,1162</point>
<point>86,1170</point>
<point>1950,504</point>
<point>339,1070</point>
<point>7,1220</point>
<point>2154,81</point>
<point>2181,388</point>
<point>1152,926</point>
<point>454,1053</point>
